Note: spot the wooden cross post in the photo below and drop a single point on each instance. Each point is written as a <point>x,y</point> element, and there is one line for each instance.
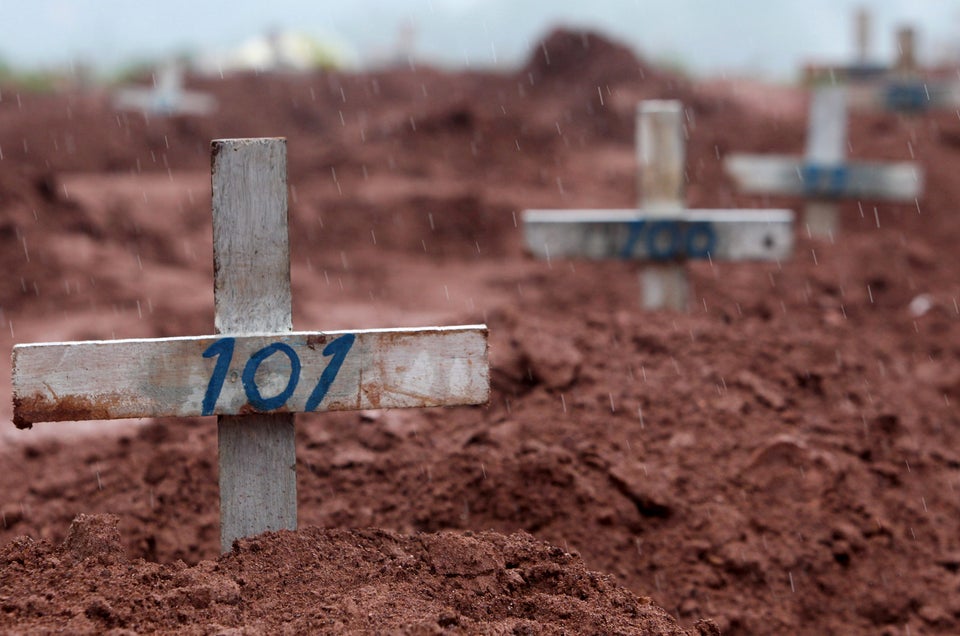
<point>824,175</point>
<point>661,156</point>
<point>256,372</point>
<point>167,97</point>
<point>662,232</point>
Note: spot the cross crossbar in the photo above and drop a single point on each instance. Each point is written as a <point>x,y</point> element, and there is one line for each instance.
<point>638,235</point>
<point>792,176</point>
<point>244,374</point>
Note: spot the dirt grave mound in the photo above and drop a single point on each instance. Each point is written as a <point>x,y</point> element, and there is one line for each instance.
<point>319,581</point>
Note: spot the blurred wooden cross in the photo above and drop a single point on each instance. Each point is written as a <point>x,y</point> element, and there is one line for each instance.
<point>166,97</point>
<point>824,175</point>
<point>661,232</point>
<point>256,372</point>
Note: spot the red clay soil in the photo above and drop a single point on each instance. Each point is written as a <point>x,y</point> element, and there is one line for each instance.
<point>783,458</point>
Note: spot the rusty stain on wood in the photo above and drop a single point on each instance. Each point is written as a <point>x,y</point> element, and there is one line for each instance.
<point>41,408</point>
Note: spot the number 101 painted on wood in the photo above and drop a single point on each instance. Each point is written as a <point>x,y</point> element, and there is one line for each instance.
<point>244,374</point>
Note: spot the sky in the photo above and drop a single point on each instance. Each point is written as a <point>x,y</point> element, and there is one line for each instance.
<point>769,38</point>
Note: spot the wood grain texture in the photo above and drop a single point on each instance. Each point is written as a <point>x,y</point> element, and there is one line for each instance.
<point>604,234</point>
<point>251,267</point>
<point>169,377</point>
<point>251,246</point>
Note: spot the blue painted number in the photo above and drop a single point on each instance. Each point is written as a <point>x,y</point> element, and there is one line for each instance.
<point>910,97</point>
<point>250,377</point>
<point>339,349</point>
<point>824,180</point>
<point>665,240</point>
<point>223,350</point>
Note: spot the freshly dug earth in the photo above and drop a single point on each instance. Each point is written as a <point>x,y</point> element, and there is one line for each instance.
<point>318,580</point>
<point>781,459</point>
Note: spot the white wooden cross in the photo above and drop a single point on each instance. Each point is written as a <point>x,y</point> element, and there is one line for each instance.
<point>256,372</point>
<point>824,175</point>
<point>167,97</point>
<point>661,232</point>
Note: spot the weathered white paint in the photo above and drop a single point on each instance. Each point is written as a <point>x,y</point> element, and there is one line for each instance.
<point>605,234</point>
<point>251,290</point>
<point>168,377</point>
<point>251,247</point>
